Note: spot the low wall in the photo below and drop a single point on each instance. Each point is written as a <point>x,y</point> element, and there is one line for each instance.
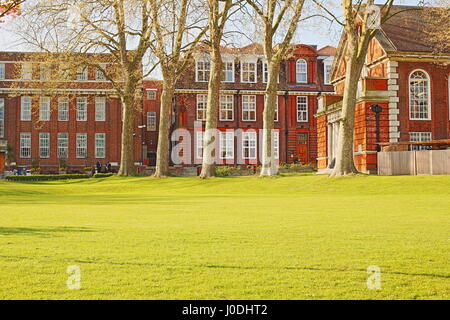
<point>430,162</point>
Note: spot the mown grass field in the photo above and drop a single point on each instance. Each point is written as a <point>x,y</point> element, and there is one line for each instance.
<point>291,237</point>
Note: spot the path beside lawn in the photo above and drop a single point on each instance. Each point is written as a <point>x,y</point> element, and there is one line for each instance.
<point>291,237</point>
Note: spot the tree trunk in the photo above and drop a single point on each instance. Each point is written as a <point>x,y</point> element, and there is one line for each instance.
<point>212,112</point>
<point>162,154</point>
<point>127,141</point>
<point>344,164</point>
<point>269,165</point>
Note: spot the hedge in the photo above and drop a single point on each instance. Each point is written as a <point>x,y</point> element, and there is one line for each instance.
<point>47,177</point>
<point>103,175</point>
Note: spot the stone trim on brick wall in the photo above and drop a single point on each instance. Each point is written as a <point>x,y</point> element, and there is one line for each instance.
<point>393,88</point>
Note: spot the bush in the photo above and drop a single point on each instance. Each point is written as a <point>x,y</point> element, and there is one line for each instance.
<point>103,175</point>
<point>47,177</point>
<point>295,167</point>
<point>226,171</point>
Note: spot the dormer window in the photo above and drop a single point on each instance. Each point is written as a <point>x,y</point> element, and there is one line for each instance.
<point>266,73</point>
<point>27,71</point>
<point>45,72</point>
<point>82,74</point>
<point>100,72</point>
<point>202,71</point>
<point>248,71</point>
<point>301,71</point>
<point>327,72</point>
<point>228,71</point>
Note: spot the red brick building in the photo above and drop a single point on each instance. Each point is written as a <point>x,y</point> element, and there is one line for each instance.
<point>78,123</point>
<point>304,75</point>
<point>406,77</point>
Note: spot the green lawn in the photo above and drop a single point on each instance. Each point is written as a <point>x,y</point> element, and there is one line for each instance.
<point>291,237</point>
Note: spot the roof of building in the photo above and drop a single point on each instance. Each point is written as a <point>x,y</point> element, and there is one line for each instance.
<point>409,29</point>
<point>258,49</point>
<point>327,51</point>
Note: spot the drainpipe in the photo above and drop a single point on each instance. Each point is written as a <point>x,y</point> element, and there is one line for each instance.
<point>286,97</point>
<point>238,123</point>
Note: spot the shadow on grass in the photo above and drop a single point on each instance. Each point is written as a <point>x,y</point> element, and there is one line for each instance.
<point>5,231</point>
<point>258,268</point>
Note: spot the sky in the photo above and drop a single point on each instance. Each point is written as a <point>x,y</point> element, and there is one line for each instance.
<point>319,33</point>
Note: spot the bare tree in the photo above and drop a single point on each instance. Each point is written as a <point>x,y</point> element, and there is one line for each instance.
<point>217,19</point>
<point>437,20</point>
<point>10,7</point>
<point>273,15</point>
<point>357,34</point>
<point>178,28</point>
<point>121,28</point>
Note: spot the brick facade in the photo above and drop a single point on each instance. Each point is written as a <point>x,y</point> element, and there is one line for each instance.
<point>106,131</point>
<point>386,80</point>
<point>36,141</point>
<point>297,139</point>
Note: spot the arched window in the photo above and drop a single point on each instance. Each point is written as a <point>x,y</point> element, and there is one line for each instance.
<point>301,71</point>
<point>419,96</point>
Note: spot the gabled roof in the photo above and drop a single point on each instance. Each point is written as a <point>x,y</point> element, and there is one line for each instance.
<point>408,30</point>
<point>327,51</point>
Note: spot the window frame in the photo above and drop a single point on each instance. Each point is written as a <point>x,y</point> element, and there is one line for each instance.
<point>204,105</point>
<point>2,71</point>
<point>265,72</point>
<point>154,94</point>
<point>151,115</point>
<point>199,137</point>
<point>78,111</point>
<point>24,111</point>
<point>100,105</point>
<point>245,136</point>
<point>227,107</point>
<point>224,71</point>
<point>26,73</point>
<point>25,137</point>
<point>428,80</point>
<point>205,71</point>
<point>83,74</point>
<point>44,148</point>
<point>45,72</point>
<point>65,111</point>
<point>97,147</point>
<point>247,104</point>
<point>276,144</point>
<point>226,144</point>
<point>297,72</point>
<point>249,72</point>
<point>99,75</point>
<point>63,147</point>
<point>44,114</point>
<point>327,75</point>
<point>79,146</point>
<point>422,136</point>
<point>306,112</point>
